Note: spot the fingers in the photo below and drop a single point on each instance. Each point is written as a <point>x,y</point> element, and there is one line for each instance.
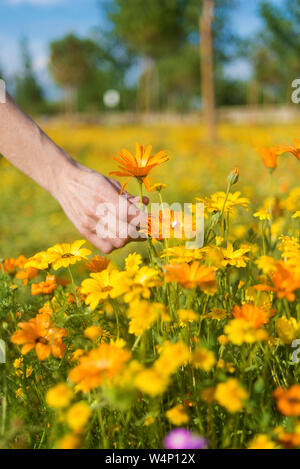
<point>103,245</point>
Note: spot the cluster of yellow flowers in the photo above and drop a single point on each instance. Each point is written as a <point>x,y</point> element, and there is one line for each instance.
<point>188,337</point>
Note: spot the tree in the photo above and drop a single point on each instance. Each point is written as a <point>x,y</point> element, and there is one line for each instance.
<point>149,29</point>
<point>28,93</point>
<point>276,51</point>
<point>207,67</point>
<point>72,62</point>
<point>165,36</point>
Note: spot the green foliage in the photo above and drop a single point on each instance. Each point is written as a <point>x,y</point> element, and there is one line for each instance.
<point>28,92</point>
<point>276,52</point>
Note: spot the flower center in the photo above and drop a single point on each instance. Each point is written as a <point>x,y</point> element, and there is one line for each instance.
<point>41,340</point>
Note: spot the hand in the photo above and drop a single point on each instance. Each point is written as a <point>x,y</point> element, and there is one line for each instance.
<point>81,191</point>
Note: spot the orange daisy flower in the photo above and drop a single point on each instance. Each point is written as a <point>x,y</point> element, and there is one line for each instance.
<point>138,166</point>
<point>40,334</point>
<point>97,264</point>
<point>27,274</point>
<point>44,287</point>
<point>252,314</point>
<point>170,224</point>
<point>285,282</point>
<point>72,299</point>
<point>191,276</point>
<point>11,264</point>
<point>269,157</point>
<point>288,400</point>
<point>102,363</point>
<point>295,150</point>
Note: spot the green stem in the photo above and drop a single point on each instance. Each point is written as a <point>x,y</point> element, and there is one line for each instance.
<point>73,285</point>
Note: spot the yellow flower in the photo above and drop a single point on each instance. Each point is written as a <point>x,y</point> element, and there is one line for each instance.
<point>222,339</point>
<point>216,313</point>
<point>231,395</point>
<point>78,416</point>
<point>69,442</point>
<point>77,354</point>
<point>132,262</point>
<point>266,264</point>
<point>262,214</point>
<point>149,421</point>
<point>19,393</point>
<point>38,261</point>
<point>240,331</point>
<point>203,359</point>
<point>287,329</point>
<point>66,254</point>
<point>180,254</point>
<point>96,332</point>
<point>97,288</point>
<point>151,382</point>
<point>225,365</point>
<point>261,441</point>
<point>29,371</point>
<point>187,315</point>
<point>143,315</point>
<point>171,357</point>
<point>159,186</point>
<point>177,415</point>
<point>216,202</point>
<point>136,286</point>
<point>296,214</point>
<point>235,258</point>
<point>18,363</point>
<point>291,203</point>
<point>59,396</point>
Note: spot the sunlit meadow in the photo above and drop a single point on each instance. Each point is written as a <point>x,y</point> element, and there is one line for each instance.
<point>157,345</point>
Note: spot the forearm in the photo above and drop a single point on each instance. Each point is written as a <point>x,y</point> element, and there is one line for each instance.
<point>28,148</point>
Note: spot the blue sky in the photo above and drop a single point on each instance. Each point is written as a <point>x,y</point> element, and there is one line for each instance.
<point>44,20</point>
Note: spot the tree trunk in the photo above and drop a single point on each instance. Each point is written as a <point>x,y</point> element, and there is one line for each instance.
<point>207,68</point>
<point>148,86</point>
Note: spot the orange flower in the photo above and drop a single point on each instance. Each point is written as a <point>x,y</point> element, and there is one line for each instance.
<point>11,265</point>
<point>102,363</point>
<point>191,276</point>
<point>252,314</point>
<point>46,309</point>
<point>27,274</point>
<point>97,264</point>
<point>72,299</point>
<point>295,150</point>
<point>269,156</point>
<point>290,440</point>
<point>170,224</point>
<point>285,281</point>
<point>288,400</point>
<point>40,334</point>
<point>44,287</point>
<point>138,166</point>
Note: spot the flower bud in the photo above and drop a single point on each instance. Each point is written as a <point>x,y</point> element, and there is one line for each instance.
<point>233,176</point>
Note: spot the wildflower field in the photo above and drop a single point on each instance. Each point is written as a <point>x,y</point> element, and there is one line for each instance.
<point>157,345</point>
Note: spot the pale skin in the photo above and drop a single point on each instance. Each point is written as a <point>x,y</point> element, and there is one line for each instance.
<point>78,189</point>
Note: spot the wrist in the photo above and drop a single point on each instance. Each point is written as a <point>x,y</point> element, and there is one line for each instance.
<point>66,170</point>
